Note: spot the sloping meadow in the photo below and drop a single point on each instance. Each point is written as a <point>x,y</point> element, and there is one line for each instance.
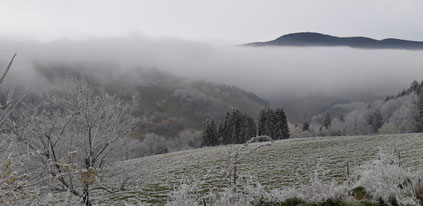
<point>273,164</point>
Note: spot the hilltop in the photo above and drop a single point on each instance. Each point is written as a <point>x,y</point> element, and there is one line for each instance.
<point>302,39</point>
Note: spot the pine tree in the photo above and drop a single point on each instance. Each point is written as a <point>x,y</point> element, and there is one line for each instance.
<point>306,125</point>
<point>270,123</point>
<point>220,133</point>
<point>226,132</point>
<point>207,134</point>
<point>342,118</point>
<point>210,134</point>
<point>327,120</point>
<point>213,134</point>
<point>262,123</point>
<point>248,128</point>
<point>277,124</point>
<point>252,130</point>
<point>265,122</point>
<point>377,121</point>
<point>419,113</point>
<point>281,130</point>
<point>237,127</point>
<point>273,123</point>
<point>283,124</point>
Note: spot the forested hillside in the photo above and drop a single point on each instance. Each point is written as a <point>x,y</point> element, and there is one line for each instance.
<point>401,113</point>
<point>170,110</point>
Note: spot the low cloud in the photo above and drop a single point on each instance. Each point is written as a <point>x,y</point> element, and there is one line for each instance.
<point>272,72</point>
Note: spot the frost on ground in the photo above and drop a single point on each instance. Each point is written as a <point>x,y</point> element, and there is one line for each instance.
<point>310,169</point>
<point>285,163</point>
<point>380,182</point>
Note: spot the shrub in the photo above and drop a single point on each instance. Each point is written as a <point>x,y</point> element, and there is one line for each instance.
<point>386,182</point>
<point>261,138</point>
<point>360,193</point>
<point>388,128</point>
<point>288,202</point>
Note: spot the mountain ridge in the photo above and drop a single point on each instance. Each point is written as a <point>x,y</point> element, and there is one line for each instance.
<point>302,39</point>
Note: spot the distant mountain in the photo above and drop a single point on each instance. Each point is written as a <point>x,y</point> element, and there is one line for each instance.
<point>317,39</point>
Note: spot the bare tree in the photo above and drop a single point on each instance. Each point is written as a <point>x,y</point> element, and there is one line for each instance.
<point>154,144</point>
<point>12,180</point>
<point>78,132</point>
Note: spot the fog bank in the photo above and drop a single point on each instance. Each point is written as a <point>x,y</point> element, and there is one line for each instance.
<point>272,72</point>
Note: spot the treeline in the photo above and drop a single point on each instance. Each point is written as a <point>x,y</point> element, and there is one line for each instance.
<point>238,127</point>
<point>415,87</point>
<point>402,113</point>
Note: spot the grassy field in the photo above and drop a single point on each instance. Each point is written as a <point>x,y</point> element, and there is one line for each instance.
<point>285,162</point>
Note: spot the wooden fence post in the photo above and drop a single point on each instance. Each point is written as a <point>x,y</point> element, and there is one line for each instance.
<point>235,175</point>
<point>348,170</point>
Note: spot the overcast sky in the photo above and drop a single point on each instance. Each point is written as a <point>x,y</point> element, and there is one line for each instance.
<point>224,21</point>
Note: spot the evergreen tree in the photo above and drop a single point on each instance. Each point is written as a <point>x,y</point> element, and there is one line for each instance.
<point>251,126</point>
<point>306,125</point>
<point>270,123</point>
<point>283,124</point>
<point>327,120</point>
<point>248,128</point>
<point>262,121</point>
<point>220,133</point>
<point>273,123</point>
<point>236,128</point>
<point>342,118</point>
<point>209,137</point>
<point>377,121</point>
<point>226,132</point>
<point>419,113</point>
<point>265,122</point>
<point>213,134</point>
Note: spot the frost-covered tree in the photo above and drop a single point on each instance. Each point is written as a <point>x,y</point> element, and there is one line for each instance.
<point>356,123</point>
<point>376,120</point>
<point>77,132</point>
<point>186,139</point>
<point>192,99</point>
<point>294,130</point>
<point>337,127</point>
<point>15,180</point>
<point>154,144</point>
<point>419,112</point>
<point>404,118</point>
<point>391,106</point>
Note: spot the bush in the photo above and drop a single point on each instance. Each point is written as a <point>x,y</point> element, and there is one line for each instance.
<point>360,193</point>
<point>261,138</point>
<point>288,202</point>
<point>381,182</point>
<point>388,183</point>
<point>388,128</point>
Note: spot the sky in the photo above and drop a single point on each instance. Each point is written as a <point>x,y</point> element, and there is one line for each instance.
<point>217,21</point>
